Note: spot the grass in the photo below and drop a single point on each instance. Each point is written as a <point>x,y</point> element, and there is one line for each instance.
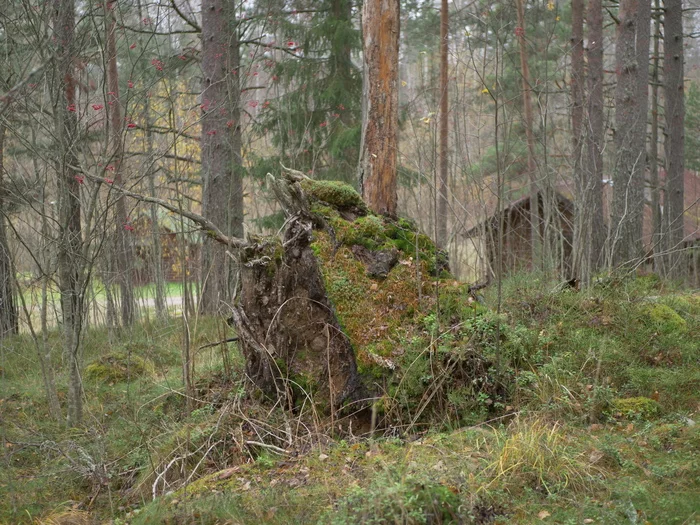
<point>590,417</point>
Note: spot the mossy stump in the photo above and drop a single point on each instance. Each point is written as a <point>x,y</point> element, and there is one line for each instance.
<point>289,334</point>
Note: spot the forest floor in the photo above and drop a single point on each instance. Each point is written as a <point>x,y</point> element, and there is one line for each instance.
<point>598,421</point>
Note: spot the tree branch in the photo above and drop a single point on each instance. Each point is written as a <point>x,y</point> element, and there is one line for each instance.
<point>204,224</point>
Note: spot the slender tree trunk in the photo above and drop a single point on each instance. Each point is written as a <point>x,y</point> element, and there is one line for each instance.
<point>581,269</point>
<point>536,241</point>
<point>631,93</point>
<point>69,209</point>
<point>221,146</point>
<point>595,137</point>
<point>124,250</point>
<point>380,105</point>
<point>157,253</point>
<point>443,192</point>
<point>674,133</point>
<point>8,308</point>
<point>656,239</point>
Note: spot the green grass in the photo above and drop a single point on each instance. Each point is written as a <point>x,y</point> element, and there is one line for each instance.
<point>593,421</point>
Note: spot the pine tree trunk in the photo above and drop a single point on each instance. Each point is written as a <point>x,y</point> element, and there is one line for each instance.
<point>632,71</point>
<point>674,133</point>
<point>124,252</point>
<point>70,242</point>
<point>221,146</point>
<point>380,105</point>
<point>8,308</point>
<point>441,217</point>
<point>595,226</point>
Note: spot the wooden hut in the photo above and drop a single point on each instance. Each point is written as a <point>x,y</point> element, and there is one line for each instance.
<point>556,225</point>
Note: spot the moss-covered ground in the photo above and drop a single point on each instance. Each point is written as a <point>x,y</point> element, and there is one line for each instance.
<point>566,407</point>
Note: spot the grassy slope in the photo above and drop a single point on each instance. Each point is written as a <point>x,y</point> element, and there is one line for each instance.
<point>557,443</point>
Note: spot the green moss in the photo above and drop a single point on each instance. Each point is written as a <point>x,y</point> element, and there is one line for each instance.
<point>337,194</point>
<point>118,367</point>
<point>635,408</point>
<point>664,318</point>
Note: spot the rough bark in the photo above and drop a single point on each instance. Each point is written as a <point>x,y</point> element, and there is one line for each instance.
<point>536,240</point>
<point>8,307</point>
<point>595,137</point>
<point>285,323</point>
<point>70,234</point>
<point>441,216</point>
<point>655,187</point>
<point>221,146</point>
<point>674,132</point>
<point>632,72</point>
<point>581,269</point>
<point>378,148</point>
<point>124,252</point>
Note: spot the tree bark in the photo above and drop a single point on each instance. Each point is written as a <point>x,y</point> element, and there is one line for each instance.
<point>655,187</point>
<point>8,308</point>
<point>285,323</point>
<point>581,269</point>
<point>674,132</point>
<point>221,146</point>
<point>124,250</point>
<point>631,93</point>
<point>536,240</point>
<point>595,137</point>
<point>378,148</point>
<point>70,242</point>
<point>441,237</point>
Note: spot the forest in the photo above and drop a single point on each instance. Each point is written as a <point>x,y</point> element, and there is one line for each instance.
<point>349,261</point>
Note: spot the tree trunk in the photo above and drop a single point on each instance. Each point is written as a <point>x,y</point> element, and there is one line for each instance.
<point>441,217</point>
<point>286,324</point>
<point>581,269</point>
<point>380,105</point>
<point>221,146</point>
<point>632,71</point>
<point>595,137</point>
<point>674,132</point>
<point>157,253</point>
<point>8,308</point>
<point>536,240</point>
<point>123,249</point>
<point>656,238</point>
<point>70,242</point>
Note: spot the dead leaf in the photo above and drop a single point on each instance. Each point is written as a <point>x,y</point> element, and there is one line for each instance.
<point>588,520</point>
<point>323,457</point>
<point>543,514</point>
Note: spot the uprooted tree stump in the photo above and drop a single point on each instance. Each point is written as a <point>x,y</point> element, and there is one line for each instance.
<point>287,328</point>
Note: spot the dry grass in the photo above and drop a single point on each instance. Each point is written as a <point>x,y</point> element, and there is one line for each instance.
<point>66,517</point>
<point>539,455</point>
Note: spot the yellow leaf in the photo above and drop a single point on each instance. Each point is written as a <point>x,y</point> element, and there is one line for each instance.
<point>404,83</point>
<point>550,5</point>
<point>485,91</point>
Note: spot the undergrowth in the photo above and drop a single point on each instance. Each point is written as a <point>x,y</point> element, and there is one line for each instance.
<point>572,405</point>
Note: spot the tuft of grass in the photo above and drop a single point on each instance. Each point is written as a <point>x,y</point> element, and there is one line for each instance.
<point>536,454</point>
